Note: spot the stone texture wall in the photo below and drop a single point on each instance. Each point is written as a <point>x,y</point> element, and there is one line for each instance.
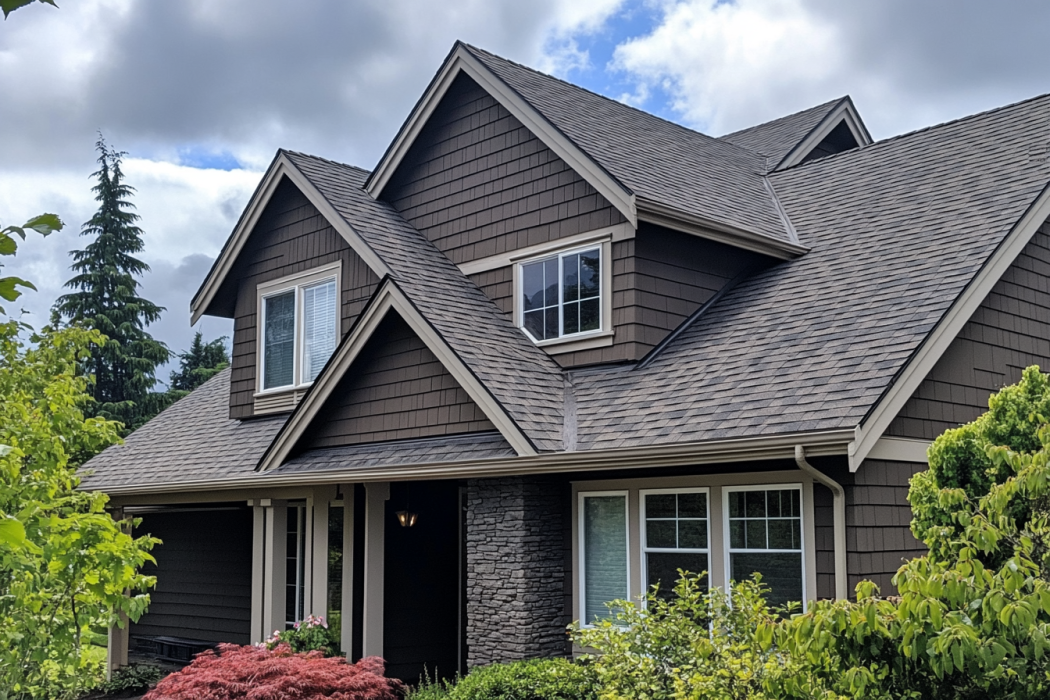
<point>517,569</point>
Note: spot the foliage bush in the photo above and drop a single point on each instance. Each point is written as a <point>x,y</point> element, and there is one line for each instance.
<point>539,679</point>
<point>136,677</point>
<point>255,672</point>
<point>311,634</point>
<point>65,564</point>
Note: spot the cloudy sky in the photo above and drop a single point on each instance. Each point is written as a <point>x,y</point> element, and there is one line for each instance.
<point>200,93</point>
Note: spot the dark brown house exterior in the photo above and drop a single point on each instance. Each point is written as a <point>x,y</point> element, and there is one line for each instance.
<point>552,349</point>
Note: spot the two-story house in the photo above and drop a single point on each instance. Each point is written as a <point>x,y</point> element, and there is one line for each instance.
<point>553,349</point>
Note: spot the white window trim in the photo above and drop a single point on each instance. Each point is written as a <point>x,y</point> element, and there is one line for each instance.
<point>801,551</point>
<point>644,548</point>
<point>282,285</point>
<point>601,337</point>
<point>581,561</point>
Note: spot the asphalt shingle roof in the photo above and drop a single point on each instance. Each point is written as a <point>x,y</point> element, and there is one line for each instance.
<point>523,378</point>
<point>897,230</point>
<point>193,440</point>
<point>777,138</point>
<point>655,159</point>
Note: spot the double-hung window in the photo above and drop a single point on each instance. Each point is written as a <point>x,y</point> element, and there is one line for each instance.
<point>674,536</point>
<point>561,294</point>
<point>765,536</point>
<point>299,328</point>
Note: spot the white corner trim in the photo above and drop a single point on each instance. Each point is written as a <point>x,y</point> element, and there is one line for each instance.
<point>388,298</point>
<point>619,232</point>
<point>950,325</point>
<point>281,167</point>
<point>462,61</point>
<point>895,449</point>
<point>846,112</point>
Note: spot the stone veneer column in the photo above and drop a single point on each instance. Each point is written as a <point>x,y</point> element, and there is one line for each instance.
<point>516,549</point>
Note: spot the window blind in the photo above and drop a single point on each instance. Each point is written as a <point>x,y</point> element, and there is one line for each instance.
<point>604,554</point>
<point>319,322</point>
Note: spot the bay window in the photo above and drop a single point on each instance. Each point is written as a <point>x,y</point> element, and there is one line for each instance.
<point>298,327</point>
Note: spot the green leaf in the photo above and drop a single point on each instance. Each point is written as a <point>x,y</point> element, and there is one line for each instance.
<point>44,224</point>
<point>8,245</point>
<point>12,532</point>
<point>8,284</point>
<point>9,6</point>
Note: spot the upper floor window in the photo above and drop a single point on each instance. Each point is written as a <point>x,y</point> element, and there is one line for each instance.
<point>299,327</point>
<point>561,295</point>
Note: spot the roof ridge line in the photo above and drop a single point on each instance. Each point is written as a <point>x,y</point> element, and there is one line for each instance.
<point>326,160</point>
<point>786,116</point>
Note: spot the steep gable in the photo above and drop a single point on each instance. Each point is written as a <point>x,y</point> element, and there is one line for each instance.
<point>476,182</point>
<point>396,389</point>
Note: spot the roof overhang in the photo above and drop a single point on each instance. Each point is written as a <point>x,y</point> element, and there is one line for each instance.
<point>387,299</point>
<point>843,112</point>
<point>947,329</point>
<point>461,60</point>
<point>732,451</point>
<point>281,168</point>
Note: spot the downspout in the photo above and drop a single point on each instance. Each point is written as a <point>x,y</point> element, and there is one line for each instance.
<point>839,519</point>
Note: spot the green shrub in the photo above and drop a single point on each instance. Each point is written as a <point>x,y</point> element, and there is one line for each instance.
<point>312,634</point>
<point>136,677</point>
<point>540,679</point>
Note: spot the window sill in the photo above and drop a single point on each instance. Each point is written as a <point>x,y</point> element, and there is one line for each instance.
<point>589,341</point>
<point>283,400</point>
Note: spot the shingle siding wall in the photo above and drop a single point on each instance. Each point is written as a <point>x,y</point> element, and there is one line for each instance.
<point>396,389</point>
<point>517,574</point>
<point>878,520</point>
<point>660,277</point>
<point>824,525</point>
<point>478,183</point>
<point>1008,332</point>
<point>291,236</point>
<point>204,582</point>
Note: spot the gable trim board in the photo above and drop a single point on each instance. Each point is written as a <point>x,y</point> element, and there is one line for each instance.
<point>732,451</point>
<point>461,60</point>
<point>874,425</point>
<point>844,112</point>
<point>388,298</point>
<point>281,167</point>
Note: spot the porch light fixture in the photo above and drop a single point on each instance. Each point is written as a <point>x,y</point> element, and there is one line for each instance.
<point>406,517</point>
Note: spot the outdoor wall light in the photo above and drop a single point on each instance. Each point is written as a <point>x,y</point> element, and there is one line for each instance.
<point>406,518</point>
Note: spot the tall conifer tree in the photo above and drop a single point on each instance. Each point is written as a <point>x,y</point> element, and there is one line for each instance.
<point>107,299</point>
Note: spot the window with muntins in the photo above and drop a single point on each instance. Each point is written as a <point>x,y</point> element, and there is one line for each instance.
<point>300,329</point>
<point>674,536</point>
<point>561,295</point>
<point>765,536</point>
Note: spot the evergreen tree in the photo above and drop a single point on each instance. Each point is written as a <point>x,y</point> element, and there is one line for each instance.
<point>199,364</point>
<point>106,299</point>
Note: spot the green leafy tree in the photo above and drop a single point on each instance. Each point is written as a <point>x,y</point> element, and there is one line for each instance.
<point>45,224</point>
<point>65,565</point>
<point>107,300</point>
<point>9,6</point>
<point>199,364</point>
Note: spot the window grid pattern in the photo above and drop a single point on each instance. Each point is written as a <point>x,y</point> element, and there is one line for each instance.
<point>765,537</point>
<point>295,565</point>
<point>674,536</point>
<point>561,295</point>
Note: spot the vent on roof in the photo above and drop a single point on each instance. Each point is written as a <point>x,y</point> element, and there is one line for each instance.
<point>278,403</point>
<point>840,139</point>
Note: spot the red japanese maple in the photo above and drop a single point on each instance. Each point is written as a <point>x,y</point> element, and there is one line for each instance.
<point>256,673</point>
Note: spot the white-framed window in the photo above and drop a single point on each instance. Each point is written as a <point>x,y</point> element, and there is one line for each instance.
<point>295,564</point>
<point>764,534</point>
<point>298,327</point>
<point>675,535</point>
<point>604,552</point>
<point>564,294</point>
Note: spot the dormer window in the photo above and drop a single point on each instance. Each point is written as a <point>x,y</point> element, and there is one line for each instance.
<point>298,327</point>
<point>562,296</point>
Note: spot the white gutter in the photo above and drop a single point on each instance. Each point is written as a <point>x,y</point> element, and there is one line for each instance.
<point>839,519</point>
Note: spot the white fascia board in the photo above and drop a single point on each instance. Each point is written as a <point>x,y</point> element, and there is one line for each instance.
<point>846,112</point>
<point>388,298</point>
<point>895,449</point>
<point>950,325</point>
<point>462,61</point>
<point>732,451</point>
<point>281,167</point>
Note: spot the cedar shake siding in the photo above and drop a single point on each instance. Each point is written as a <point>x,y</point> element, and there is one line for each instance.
<point>660,277</point>
<point>824,527</point>
<point>291,236</point>
<point>878,523</point>
<point>396,389</point>
<point>1010,331</point>
<point>477,182</point>
<point>204,581</point>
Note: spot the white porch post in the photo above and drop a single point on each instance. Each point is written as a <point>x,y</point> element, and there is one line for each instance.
<point>317,545</point>
<point>376,496</point>
<point>268,588</point>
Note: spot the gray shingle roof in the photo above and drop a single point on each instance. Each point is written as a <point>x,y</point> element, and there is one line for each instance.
<point>523,378</point>
<point>897,230</point>
<point>775,139</point>
<point>195,439</point>
<point>655,159</point>
<point>455,448</point>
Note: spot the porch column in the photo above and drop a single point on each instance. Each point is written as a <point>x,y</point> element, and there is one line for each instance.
<point>268,566</point>
<point>316,590</point>
<point>376,496</point>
